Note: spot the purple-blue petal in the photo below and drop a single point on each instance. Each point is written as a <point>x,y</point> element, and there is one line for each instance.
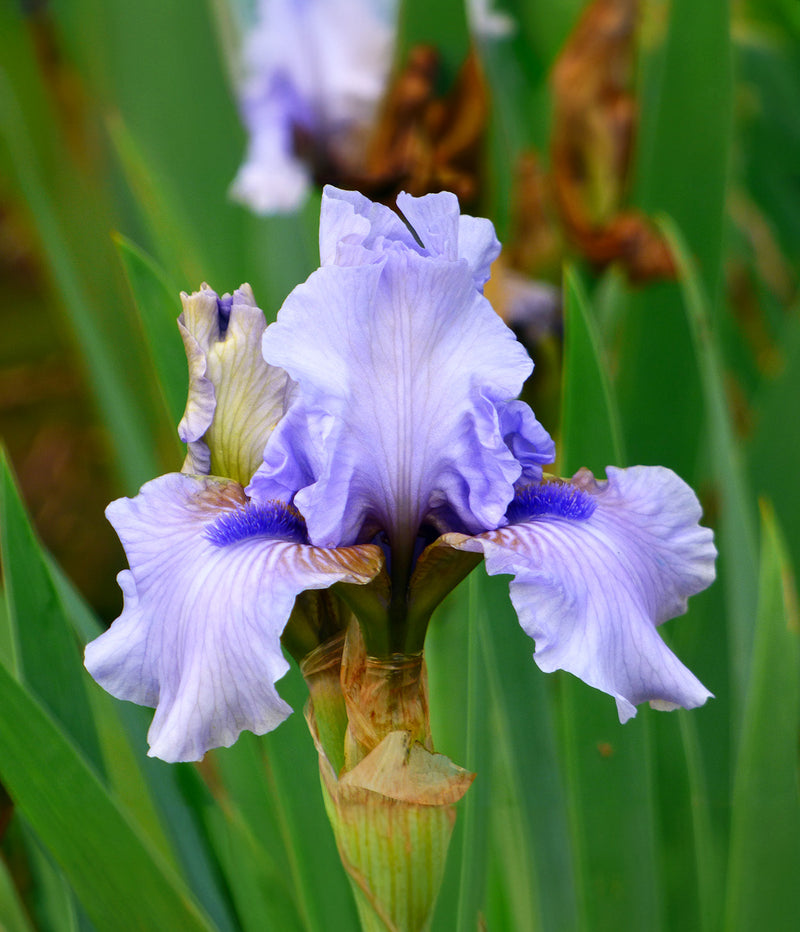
<point>406,409</point>
<point>530,444</point>
<point>402,368</point>
<point>597,566</point>
<point>211,585</point>
<point>444,232</point>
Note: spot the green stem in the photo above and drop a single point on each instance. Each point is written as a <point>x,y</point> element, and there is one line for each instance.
<point>471,886</point>
<point>402,565</point>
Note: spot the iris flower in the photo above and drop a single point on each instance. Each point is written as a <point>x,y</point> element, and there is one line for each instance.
<point>370,443</point>
<point>314,72</point>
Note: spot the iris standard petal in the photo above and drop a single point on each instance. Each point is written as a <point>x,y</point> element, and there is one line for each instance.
<point>596,566</point>
<point>354,230</point>
<point>235,398</point>
<point>444,231</point>
<point>402,367</point>
<point>211,585</point>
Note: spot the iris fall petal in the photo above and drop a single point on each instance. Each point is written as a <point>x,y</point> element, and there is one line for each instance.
<point>199,635</point>
<point>596,568</point>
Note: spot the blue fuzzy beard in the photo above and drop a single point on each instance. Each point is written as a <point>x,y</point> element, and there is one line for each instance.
<point>557,499</point>
<point>272,520</point>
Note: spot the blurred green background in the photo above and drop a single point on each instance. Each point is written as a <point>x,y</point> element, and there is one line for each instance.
<point>119,137</point>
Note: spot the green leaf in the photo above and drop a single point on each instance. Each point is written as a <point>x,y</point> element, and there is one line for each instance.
<point>475,811</point>
<point>168,801</point>
<point>161,210</point>
<point>737,528</point>
<point>687,118</point>
<point>123,883</point>
<point>590,423</point>
<point>443,25</point>
<point>495,716</point>
<point>45,654</point>
<point>181,119</point>
<point>774,449</point>
<point>532,881</point>
<point>71,214</point>
<point>159,305</point>
<point>245,826</point>
<point>274,784</point>
<point>52,902</point>
<point>682,167</point>
<point>765,836</point>
<point>446,649</point>
<point>46,613</point>
<point>609,768</point>
<point>13,917</point>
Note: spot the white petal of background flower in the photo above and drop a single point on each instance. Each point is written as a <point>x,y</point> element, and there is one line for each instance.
<point>320,65</point>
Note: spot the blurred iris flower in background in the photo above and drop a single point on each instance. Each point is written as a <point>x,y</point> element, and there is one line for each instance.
<point>314,72</point>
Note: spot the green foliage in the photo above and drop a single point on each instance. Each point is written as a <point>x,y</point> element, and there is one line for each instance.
<point>766,802</point>
<point>159,305</point>
<point>683,821</point>
<point>616,842</point>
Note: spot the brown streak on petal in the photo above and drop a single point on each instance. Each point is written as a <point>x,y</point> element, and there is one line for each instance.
<point>362,561</point>
<point>585,481</point>
<point>220,494</point>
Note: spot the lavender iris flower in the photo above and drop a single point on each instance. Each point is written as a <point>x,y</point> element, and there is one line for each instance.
<point>314,72</point>
<point>385,407</point>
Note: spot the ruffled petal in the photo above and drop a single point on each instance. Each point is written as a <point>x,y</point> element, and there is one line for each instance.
<point>354,230</point>
<point>402,369</point>
<point>597,566</point>
<point>530,443</point>
<point>235,397</point>
<point>211,586</point>
<point>443,231</point>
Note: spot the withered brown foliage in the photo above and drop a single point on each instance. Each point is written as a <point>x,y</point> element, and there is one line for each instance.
<point>593,132</point>
<point>421,142</point>
<point>580,201</point>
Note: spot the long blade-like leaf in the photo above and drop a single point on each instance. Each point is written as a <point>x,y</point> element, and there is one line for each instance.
<point>616,841</point>
<point>765,837</point>
<point>120,879</point>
